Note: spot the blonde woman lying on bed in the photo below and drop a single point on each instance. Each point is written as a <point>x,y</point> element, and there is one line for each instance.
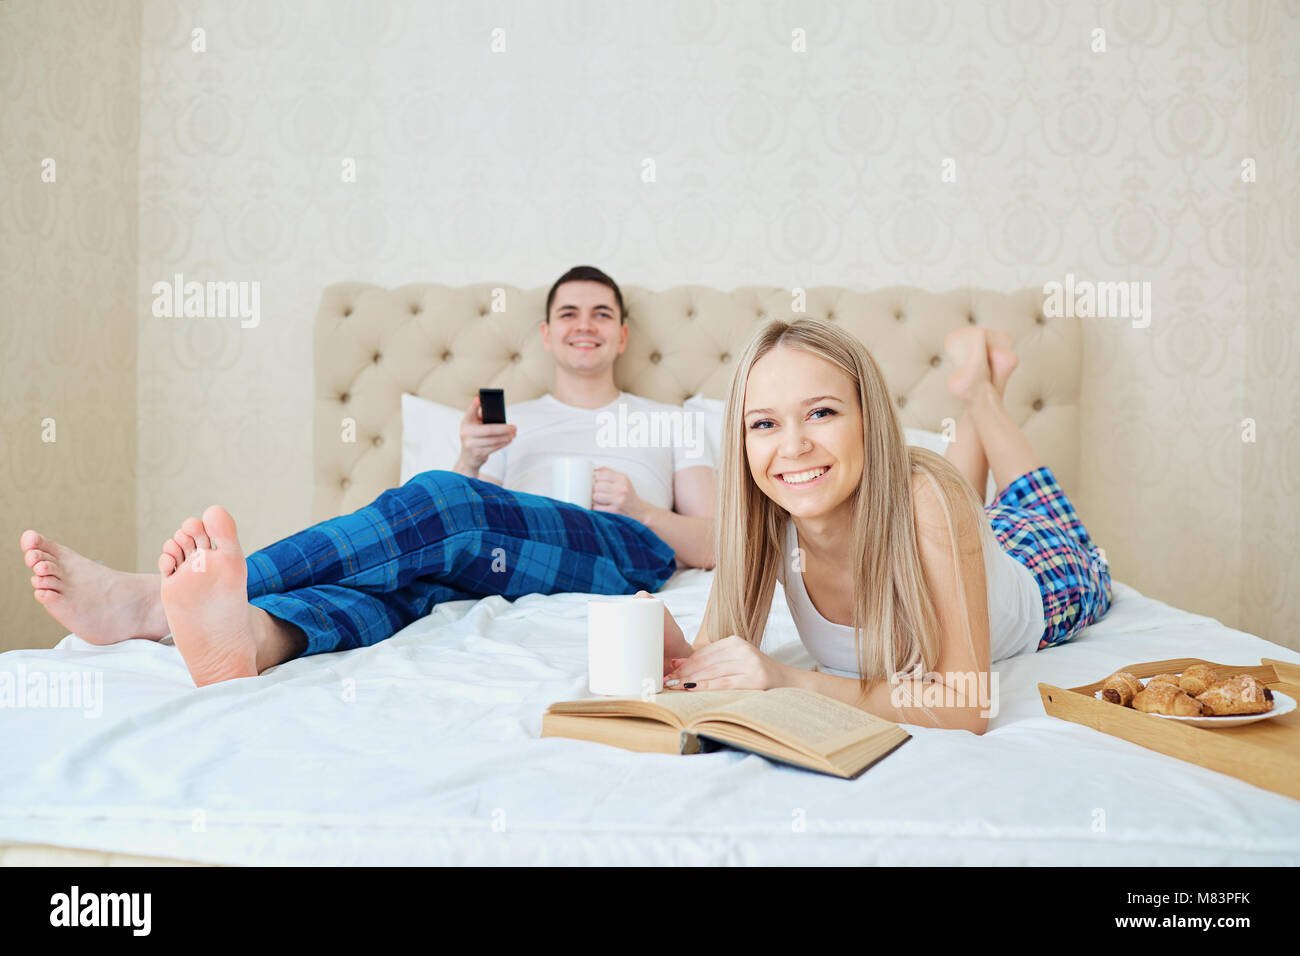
<point>895,575</point>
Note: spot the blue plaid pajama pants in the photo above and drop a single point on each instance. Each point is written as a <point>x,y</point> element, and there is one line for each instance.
<point>357,579</point>
<point>1036,524</point>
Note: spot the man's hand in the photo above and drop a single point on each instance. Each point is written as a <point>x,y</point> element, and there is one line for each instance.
<point>730,664</point>
<point>612,491</point>
<point>477,440</point>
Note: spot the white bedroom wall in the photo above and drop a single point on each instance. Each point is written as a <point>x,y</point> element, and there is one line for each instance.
<point>772,166</point>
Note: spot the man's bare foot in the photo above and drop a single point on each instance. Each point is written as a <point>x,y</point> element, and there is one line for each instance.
<point>1002,358</point>
<point>98,604</point>
<point>967,347</point>
<point>205,596</point>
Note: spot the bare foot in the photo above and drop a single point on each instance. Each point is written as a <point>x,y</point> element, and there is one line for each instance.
<point>967,347</point>
<point>1002,358</point>
<point>98,604</point>
<point>205,595</point>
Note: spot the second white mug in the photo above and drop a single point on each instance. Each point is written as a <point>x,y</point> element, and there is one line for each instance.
<point>571,480</point>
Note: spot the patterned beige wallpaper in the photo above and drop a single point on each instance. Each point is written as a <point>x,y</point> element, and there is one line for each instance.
<point>69,116</point>
<point>939,144</point>
<point>999,144</point>
<point>1270,530</point>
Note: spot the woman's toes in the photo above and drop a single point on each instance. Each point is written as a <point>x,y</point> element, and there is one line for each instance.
<point>46,595</point>
<point>194,528</point>
<point>173,550</point>
<point>44,568</point>
<point>45,583</point>
<point>962,344</point>
<point>166,565</point>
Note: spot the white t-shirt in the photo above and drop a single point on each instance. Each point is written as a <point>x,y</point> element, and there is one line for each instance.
<point>1015,607</point>
<point>646,440</point>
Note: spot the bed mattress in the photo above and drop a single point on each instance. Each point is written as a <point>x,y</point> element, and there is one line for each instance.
<point>424,749</point>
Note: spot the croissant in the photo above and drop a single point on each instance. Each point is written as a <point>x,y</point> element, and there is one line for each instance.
<point>1164,679</point>
<point>1120,688</point>
<point>1197,679</point>
<point>1242,694</point>
<point>1167,699</point>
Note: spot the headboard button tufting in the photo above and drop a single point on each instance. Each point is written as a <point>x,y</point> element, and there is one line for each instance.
<point>386,342</point>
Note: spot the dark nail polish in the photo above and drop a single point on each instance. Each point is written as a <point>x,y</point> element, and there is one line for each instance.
<point>689,685</point>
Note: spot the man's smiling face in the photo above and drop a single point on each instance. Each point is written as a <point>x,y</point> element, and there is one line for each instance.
<point>585,331</point>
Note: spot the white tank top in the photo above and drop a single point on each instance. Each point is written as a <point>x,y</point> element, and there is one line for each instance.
<point>1015,609</point>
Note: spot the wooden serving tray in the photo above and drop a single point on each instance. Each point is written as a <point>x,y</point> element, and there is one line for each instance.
<point>1265,753</point>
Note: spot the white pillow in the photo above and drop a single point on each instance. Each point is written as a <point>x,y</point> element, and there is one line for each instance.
<point>430,436</point>
<point>711,409</point>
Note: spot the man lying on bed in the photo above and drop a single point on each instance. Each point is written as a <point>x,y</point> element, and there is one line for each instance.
<point>443,536</point>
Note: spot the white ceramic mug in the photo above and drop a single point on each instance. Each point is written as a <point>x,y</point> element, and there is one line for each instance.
<point>625,646</point>
<point>571,480</point>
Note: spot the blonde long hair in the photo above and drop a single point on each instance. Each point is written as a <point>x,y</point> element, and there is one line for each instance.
<point>895,623</point>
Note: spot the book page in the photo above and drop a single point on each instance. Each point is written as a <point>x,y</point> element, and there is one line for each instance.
<point>806,718</point>
<point>688,704</point>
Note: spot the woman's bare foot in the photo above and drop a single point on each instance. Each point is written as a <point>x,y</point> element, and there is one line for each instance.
<point>968,349</point>
<point>1002,358</point>
<point>98,604</point>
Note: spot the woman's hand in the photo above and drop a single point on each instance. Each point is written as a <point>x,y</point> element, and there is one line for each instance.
<point>675,643</point>
<point>730,664</point>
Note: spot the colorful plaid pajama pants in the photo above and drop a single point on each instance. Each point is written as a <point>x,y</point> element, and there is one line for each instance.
<point>357,579</point>
<point>1036,524</point>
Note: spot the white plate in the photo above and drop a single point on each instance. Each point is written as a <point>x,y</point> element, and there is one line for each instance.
<point>1282,704</point>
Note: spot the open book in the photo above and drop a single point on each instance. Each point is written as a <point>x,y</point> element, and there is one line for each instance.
<point>789,725</point>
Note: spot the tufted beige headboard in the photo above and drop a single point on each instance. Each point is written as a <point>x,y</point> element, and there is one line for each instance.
<point>444,343</point>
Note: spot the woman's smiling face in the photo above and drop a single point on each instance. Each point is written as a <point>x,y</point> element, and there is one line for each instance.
<point>803,432</point>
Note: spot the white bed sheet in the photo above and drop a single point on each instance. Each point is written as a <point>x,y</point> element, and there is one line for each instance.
<point>425,749</point>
